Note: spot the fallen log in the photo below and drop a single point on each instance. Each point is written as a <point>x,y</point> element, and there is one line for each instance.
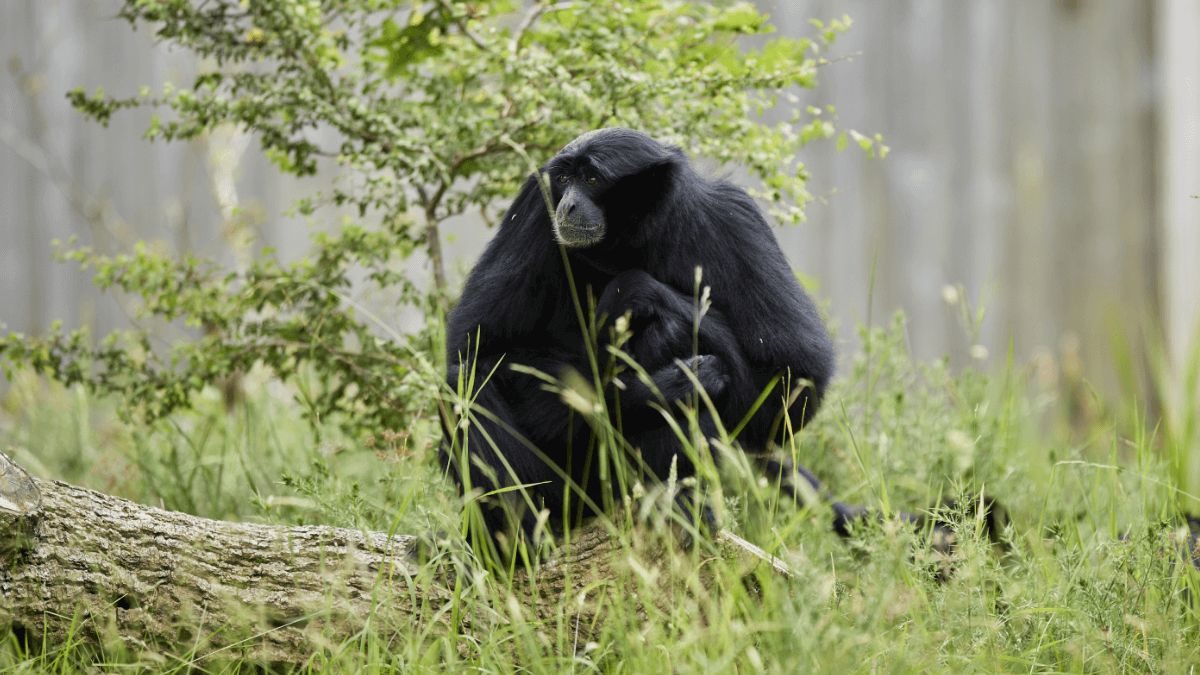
<point>79,565</point>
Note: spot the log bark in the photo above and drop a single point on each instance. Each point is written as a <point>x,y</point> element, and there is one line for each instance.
<point>79,565</point>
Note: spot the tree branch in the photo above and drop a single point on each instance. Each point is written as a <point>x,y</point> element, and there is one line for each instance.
<point>536,11</point>
<point>461,22</point>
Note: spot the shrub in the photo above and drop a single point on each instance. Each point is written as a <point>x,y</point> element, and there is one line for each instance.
<point>426,111</point>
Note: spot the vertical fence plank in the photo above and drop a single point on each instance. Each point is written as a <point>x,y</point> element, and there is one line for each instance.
<point>1177,27</point>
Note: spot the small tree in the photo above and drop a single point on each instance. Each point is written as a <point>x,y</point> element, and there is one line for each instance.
<point>426,110</point>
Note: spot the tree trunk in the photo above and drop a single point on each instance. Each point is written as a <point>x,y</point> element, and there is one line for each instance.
<point>83,566</point>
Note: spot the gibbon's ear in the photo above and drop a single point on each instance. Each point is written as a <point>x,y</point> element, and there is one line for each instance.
<point>632,198</point>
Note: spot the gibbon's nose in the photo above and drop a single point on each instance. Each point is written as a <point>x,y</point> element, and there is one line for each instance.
<point>570,207</point>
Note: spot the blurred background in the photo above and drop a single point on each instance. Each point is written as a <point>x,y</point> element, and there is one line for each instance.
<point>1045,162</point>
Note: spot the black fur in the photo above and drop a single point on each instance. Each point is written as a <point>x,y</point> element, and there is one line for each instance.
<point>633,221</point>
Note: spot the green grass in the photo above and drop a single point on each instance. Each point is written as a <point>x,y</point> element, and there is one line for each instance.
<point>1091,578</point>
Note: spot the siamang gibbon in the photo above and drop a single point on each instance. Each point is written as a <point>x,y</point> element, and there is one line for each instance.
<point>618,226</point>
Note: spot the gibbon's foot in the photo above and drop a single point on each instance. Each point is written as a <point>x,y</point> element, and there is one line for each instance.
<point>943,534</point>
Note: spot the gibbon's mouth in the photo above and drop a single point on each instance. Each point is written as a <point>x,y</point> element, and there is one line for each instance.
<point>574,235</point>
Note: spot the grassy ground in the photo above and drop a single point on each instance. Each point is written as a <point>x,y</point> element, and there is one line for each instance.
<point>1090,579</point>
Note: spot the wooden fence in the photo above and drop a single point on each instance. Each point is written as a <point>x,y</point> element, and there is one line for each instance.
<point>1041,153</point>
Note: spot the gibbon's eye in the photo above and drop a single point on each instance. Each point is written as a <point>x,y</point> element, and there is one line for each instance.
<point>564,179</point>
<point>591,180</point>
